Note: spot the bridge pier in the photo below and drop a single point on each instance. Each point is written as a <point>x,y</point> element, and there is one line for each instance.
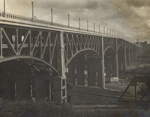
<point>91,71</point>
<point>71,72</point>
<point>100,74</point>
<point>40,89</point>
<point>115,66</point>
<point>80,69</point>
<point>23,89</point>
<point>7,89</point>
<point>59,82</point>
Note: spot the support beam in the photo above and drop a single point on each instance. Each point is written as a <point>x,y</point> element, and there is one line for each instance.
<point>8,91</point>
<point>124,63</point>
<point>1,49</point>
<point>71,72</point>
<point>40,46</point>
<point>129,57</point>
<point>91,71</point>
<point>132,55</point>
<point>80,69</point>
<point>23,89</point>
<point>16,42</point>
<point>29,41</point>
<point>116,60</point>
<point>108,65</point>
<point>40,89</point>
<point>102,63</point>
<point>99,69</point>
<point>59,82</point>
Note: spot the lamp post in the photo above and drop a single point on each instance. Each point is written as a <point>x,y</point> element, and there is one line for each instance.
<point>32,12</point>
<point>79,23</point>
<point>94,27</point>
<point>52,16</point>
<point>87,25</point>
<point>68,21</point>
<point>4,8</point>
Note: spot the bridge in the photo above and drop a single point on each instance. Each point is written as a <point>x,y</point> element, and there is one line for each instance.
<point>38,58</point>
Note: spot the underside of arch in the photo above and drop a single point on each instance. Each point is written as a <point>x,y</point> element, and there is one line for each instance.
<point>120,47</point>
<point>32,61</point>
<point>109,49</point>
<point>80,52</point>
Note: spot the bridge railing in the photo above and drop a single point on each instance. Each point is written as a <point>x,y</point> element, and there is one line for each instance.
<point>19,17</point>
<point>13,16</point>
<point>29,19</point>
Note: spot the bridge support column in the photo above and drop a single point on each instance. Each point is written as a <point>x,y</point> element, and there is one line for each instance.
<point>91,72</point>
<point>59,82</point>
<point>40,89</point>
<point>71,72</point>
<point>132,55</point>
<point>99,68</point>
<point>23,89</point>
<point>124,64</point>
<point>1,51</point>
<point>80,69</point>
<point>102,64</point>
<point>129,56</point>
<point>108,67</point>
<point>116,62</point>
<point>8,89</point>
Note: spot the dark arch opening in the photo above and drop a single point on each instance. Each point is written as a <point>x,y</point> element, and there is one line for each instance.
<point>81,51</point>
<point>109,63</point>
<point>78,69</point>
<point>127,56</point>
<point>25,78</point>
<point>121,62</point>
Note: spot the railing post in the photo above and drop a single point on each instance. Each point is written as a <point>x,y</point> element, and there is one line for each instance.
<point>107,30</point>
<point>52,16</point>
<point>99,28</point>
<point>68,21</point>
<point>4,9</point>
<point>79,23</point>
<point>32,13</point>
<point>104,29</point>
<point>94,27</point>
<point>87,25</point>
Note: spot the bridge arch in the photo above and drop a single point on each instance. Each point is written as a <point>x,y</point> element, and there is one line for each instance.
<point>121,61</point>
<point>84,68</point>
<point>108,49</point>
<point>23,77</point>
<point>87,49</point>
<point>128,56</point>
<point>109,64</point>
<point>27,57</point>
<point>120,46</point>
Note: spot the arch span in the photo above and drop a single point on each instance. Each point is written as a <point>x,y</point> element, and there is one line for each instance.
<point>27,57</point>
<point>87,49</point>
<point>109,48</point>
<point>120,47</point>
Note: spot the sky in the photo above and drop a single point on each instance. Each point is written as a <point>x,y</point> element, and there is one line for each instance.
<point>130,17</point>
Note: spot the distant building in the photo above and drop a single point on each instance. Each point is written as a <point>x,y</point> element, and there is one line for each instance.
<point>144,45</point>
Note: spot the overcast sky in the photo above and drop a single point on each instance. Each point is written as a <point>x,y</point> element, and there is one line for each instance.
<point>132,17</point>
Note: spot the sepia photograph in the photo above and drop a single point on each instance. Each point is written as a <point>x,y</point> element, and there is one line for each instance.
<point>74,58</point>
